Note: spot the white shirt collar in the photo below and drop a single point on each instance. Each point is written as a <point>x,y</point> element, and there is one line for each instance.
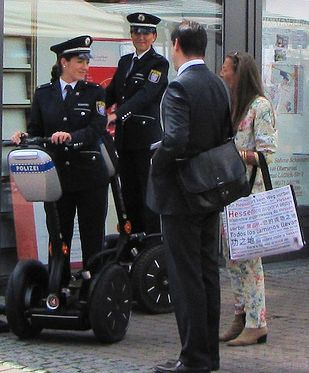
<point>140,55</point>
<point>63,84</point>
<point>184,66</point>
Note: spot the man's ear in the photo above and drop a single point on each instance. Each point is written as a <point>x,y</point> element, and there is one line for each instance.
<point>176,45</point>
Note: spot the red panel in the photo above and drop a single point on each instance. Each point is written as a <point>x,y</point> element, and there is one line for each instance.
<point>26,242</point>
<point>101,75</point>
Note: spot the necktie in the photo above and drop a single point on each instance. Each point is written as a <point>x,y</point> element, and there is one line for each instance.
<point>133,63</point>
<point>69,91</point>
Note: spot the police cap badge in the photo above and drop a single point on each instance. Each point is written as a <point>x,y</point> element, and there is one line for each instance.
<point>79,46</point>
<point>143,23</point>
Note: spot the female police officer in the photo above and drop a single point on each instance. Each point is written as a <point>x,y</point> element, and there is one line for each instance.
<point>135,93</point>
<point>69,109</point>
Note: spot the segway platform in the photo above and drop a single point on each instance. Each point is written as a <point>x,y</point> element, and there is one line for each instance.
<point>142,254</point>
<point>39,298</point>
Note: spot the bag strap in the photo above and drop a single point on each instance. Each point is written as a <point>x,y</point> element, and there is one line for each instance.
<point>252,178</point>
<point>265,173</point>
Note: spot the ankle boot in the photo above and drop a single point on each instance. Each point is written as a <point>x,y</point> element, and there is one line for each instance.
<point>236,328</point>
<point>250,336</point>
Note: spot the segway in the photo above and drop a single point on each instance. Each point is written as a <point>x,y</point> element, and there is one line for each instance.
<point>99,297</point>
<point>141,254</point>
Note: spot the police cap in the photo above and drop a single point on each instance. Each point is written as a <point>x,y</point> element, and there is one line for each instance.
<point>143,23</point>
<point>79,46</point>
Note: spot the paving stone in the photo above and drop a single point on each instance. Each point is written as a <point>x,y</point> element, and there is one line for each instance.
<point>153,339</point>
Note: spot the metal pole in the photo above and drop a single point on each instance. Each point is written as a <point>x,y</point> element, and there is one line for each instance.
<point>243,27</point>
<point>1,95</point>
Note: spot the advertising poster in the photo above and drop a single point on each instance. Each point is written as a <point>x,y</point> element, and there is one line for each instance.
<point>284,87</point>
<point>105,56</point>
<point>291,169</point>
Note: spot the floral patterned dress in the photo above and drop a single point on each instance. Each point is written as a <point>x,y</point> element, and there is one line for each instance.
<point>256,132</point>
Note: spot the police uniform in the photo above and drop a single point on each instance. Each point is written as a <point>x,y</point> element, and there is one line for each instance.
<point>81,171</point>
<point>137,90</point>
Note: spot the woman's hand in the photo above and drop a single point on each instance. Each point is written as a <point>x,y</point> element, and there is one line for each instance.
<point>61,137</point>
<point>250,157</point>
<point>17,136</point>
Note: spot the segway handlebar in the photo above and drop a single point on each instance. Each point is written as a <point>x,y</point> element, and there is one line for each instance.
<point>38,141</point>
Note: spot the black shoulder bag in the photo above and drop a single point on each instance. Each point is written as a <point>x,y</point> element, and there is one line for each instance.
<point>214,178</point>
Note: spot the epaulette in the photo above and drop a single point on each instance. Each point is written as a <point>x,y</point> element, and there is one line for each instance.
<point>44,85</point>
<point>92,84</point>
<point>159,56</point>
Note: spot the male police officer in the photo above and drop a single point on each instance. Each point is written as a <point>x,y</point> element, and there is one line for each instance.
<point>135,94</point>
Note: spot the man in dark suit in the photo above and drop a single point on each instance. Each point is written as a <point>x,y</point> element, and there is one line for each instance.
<point>134,94</point>
<point>195,115</point>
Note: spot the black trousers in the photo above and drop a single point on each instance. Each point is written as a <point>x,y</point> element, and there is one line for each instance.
<point>91,208</point>
<point>191,244</point>
<point>134,169</point>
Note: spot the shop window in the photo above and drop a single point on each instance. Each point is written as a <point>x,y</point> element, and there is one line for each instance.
<point>285,68</point>
<point>17,87</point>
<point>17,92</point>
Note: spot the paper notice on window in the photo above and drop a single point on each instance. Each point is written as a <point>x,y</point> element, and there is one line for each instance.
<point>263,224</point>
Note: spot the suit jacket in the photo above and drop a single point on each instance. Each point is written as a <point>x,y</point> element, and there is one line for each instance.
<point>84,117</point>
<point>138,95</point>
<point>196,117</point>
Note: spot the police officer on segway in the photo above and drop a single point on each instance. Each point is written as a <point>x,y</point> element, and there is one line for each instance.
<point>134,95</point>
<point>69,109</point>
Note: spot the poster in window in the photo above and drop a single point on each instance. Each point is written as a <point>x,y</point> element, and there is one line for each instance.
<point>284,87</point>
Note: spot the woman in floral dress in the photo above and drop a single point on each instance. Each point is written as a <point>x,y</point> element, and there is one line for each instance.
<point>254,127</point>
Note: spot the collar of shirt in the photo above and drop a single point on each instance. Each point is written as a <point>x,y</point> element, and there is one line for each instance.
<point>63,84</point>
<point>187,64</point>
<point>140,55</point>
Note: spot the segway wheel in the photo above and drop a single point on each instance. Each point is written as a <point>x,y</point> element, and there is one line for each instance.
<point>110,304</point>
<point>26,287</point>
<point>150,281</point>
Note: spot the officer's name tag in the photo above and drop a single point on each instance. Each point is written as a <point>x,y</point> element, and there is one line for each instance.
<point>81,104</point>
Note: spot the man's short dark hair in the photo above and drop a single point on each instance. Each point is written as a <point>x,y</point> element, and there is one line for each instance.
<point>192,38</point>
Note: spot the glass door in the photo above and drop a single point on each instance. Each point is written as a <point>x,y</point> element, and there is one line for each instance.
<point>285,48</point>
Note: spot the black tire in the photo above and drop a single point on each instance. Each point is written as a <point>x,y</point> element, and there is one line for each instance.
<point>27,285</point>
<point>110,304</point>
<point>150,281</point>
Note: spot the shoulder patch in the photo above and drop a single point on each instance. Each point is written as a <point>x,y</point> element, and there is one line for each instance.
<point>44,85</point>
<point>154,76</point>
<point>100,105</point>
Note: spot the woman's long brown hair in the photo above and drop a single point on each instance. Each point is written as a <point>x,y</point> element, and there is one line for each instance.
<point>56,70</point>
<point>248,85</point>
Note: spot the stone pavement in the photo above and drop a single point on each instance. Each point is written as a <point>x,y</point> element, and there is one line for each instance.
<point>152,339</point>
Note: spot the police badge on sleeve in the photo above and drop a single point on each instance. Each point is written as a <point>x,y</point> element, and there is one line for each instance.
<point>100,105</point>
<point>154,76</point>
